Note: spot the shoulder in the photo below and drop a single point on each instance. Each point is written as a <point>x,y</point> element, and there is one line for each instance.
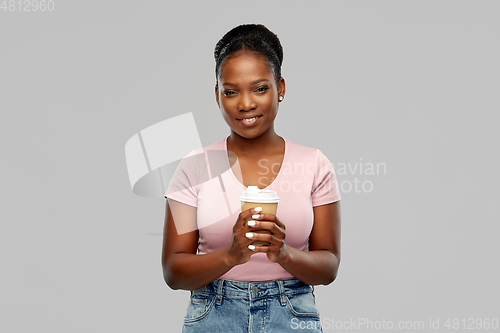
<point>220,145</point>
<point>304,154</point>
<point>192,170</point>
<point>197,161</point>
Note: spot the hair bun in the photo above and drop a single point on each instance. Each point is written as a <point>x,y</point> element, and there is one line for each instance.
<point>254,37</point>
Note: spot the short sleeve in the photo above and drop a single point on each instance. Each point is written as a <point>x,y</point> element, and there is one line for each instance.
<point>325,187</point>
<point>185,183</point>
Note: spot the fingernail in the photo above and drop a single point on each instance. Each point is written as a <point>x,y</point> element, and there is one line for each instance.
<point>251,247</point>
<point>256,216</point>
<point>248,235</point>
<point>251,223</point>
<point>258,209</point>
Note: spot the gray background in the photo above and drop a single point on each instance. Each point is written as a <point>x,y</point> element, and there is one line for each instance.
<point>412,84</point>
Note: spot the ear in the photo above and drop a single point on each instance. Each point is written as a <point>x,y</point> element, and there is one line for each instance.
<point>217,95</point>
<point>281,87</point>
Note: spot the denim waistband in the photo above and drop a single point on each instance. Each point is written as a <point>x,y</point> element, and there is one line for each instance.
<point>254,290</point>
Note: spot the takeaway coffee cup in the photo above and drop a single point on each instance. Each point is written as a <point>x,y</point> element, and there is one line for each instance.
<point>254,197</point>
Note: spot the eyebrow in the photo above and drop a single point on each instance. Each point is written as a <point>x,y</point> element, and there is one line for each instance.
<point>251,83</point>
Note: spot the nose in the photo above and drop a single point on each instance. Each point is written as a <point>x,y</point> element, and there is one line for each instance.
<point>246,102</point>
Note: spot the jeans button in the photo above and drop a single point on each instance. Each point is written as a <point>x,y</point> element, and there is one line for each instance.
<point>255,289</point>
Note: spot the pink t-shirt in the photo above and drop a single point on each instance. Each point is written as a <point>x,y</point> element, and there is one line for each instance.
<point>205,180</point>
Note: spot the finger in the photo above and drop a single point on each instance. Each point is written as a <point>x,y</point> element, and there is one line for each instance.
<point>257,236</point>
<point>268,217</point>
<point>275,242</point>
<point>279,223</point>
<point>255,214</point>
<point>244,244</point>
<point>244,216</point>
<point>247,214</point>
<point>254,210</point>
<point>264,216</point>
<point>258,248</point>
<point>266,225</point>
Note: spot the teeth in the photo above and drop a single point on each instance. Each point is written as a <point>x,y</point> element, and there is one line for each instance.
<point>249,119</point>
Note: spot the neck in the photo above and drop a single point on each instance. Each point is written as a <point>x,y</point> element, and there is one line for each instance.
<point>256,146</point>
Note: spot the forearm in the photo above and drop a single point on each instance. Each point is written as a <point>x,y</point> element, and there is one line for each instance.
<point>192,271</point>
<point>311,267</point>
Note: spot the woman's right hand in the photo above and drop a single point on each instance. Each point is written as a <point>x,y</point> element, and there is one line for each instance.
<point>238,252</point>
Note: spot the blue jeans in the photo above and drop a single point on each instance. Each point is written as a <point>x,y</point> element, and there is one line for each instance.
<point>252,307</point>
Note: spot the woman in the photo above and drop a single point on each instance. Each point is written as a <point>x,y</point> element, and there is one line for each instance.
<point>235,285</point>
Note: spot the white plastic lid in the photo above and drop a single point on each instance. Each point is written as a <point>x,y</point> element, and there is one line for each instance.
<point>254,194</point>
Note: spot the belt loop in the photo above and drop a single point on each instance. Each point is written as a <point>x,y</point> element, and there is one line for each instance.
<point>219,292</point>
<point>282,292</point>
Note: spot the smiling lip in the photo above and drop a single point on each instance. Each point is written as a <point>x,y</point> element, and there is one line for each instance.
<point>254,120</point>
<point>249,117</point>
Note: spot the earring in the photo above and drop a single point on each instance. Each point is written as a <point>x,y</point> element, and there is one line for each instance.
<point>280,98</point>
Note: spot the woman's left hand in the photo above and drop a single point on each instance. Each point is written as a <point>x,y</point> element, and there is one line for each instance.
<point>277,250</point>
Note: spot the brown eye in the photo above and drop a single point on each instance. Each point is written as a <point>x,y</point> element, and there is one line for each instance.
<point>228,93</point>
<point>262,89</point>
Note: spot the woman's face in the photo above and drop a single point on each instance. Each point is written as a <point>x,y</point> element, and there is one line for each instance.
<point>246,89</point>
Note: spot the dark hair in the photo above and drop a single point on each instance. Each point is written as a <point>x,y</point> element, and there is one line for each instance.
<point>253,37</point>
